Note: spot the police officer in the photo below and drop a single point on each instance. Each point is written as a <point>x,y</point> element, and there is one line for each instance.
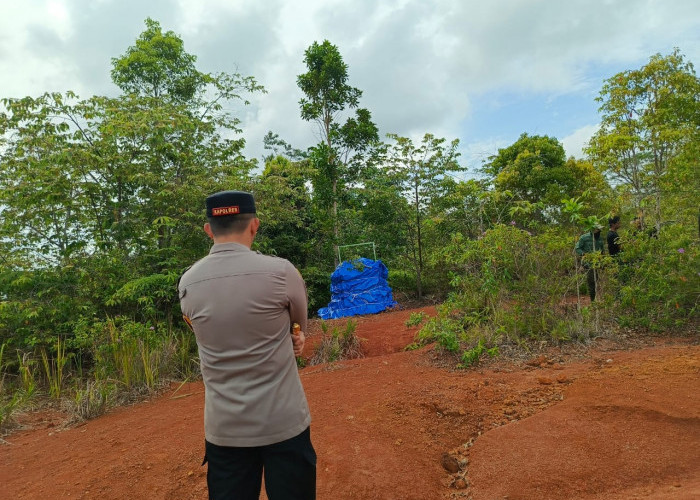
<point>241,306</point>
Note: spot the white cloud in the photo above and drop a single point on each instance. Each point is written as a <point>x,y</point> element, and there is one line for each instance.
<point>474,154</point>
<point>575,142</point>
<point>23,25</point>
<point>424,66</point>
<point>543,45</point>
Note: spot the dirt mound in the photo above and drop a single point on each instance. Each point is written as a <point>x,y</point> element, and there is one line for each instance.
<point>394,425</point>
<point>628,427</point>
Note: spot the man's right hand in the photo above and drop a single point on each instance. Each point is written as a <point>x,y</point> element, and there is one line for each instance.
<point>298,340</point>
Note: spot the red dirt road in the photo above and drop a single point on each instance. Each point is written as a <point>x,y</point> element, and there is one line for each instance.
<point>603,423</point>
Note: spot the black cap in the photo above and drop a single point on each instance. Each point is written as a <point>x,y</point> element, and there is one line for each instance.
<point>230,203</point>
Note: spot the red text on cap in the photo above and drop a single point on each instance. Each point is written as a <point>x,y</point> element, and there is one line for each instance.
<point>219,211</point>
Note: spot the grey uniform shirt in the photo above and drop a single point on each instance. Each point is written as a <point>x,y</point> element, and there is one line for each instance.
<point>241,305</point>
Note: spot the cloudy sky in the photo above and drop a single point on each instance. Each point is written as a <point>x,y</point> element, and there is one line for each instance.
<point>480,71</point>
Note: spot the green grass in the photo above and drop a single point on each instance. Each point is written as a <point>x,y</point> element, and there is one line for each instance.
<point>54,368</point>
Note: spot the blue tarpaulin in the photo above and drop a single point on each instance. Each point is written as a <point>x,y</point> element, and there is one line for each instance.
<point>358,287</point>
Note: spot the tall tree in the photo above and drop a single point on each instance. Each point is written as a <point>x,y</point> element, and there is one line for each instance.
<point>534,170</point>
<point>420,173</point>
<point>284,205</point>
<point>158,66</point>
<point>650,119</point>
<point>342,146</point>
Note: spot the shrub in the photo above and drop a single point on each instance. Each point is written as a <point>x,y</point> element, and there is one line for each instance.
<point>402,281</point>
<point>13,396</point>
<point>8,406</point>
<point>416,318</point>
<point>657,279</point>
<point>55,368</point>
<point>507,286</point>
<point>337,345</point>
<point>472,356</point>
<point>443,330</point>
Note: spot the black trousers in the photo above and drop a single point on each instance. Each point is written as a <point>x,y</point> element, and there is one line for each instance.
<point>592,281</point>
<point>289,467</point>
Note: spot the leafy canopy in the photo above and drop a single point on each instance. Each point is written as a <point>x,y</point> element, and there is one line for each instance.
<point>158,66</point>
<point>535,170</point>
<point>325,84</point>
<point>649,129</point>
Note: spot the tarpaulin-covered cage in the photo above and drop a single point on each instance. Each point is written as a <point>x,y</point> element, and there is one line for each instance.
<point>358,287</point>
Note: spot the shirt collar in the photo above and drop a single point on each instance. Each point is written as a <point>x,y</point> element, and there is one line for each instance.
<point>228,247</point>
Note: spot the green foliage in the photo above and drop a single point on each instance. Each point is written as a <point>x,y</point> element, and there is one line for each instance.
<point>94,399</point>
<point>657,279</point>
<point>469,208</point>
<point>42,304</point>
<point>55,368</point>
<point>444,330</point>
<point>416,318</point>
<point>284,206</point>
<point>150,297</point>
<point>649,124</point>
<point>535,155</point>
<point>648,142</point>
<point>13,397</point>
<point>419,172</point>
<point>402,281</point>
<point>337,345</point>
<point>3,346</point>
<point>131,353</point>
<point>280,147</point>
<point>100,196</point>
<point>341,153</point>
<point>472,356</point>
<point>535,171</point>
<point>186,356</point>
<point>8,406</point>
<point>158,66</point>
<point>318,286</point>
<point>325,83</point>
<point>27,379</point>
<point>509,286</point>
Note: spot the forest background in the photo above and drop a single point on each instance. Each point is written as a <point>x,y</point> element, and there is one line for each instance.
<point>102,204</point>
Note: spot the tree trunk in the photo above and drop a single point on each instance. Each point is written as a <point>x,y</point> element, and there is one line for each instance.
<point>419,271</point>
<point>336,231</point>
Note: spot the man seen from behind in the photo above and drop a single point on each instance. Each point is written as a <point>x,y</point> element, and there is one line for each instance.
<point>241,306</point>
